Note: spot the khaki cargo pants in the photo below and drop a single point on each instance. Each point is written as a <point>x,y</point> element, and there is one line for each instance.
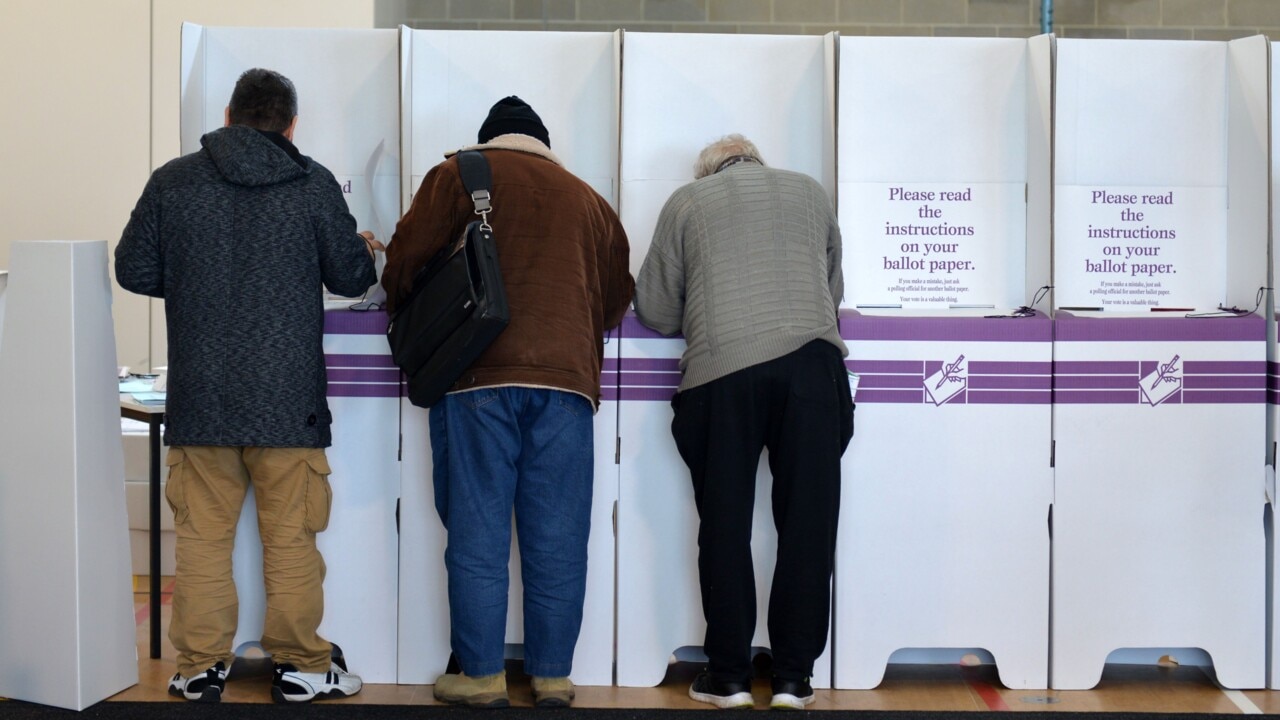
<point>206,490</point>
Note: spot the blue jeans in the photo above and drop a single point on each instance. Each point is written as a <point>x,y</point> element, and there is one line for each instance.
<point>530,449</point>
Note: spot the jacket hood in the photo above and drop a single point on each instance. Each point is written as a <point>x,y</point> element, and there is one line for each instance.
<point>245,156</point>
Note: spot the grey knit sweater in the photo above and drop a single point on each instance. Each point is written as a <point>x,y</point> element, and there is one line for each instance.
<point>237,239</point>
<point>746,263</point>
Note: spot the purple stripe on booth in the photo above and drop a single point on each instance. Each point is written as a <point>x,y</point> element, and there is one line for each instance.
<point>633,329</point>
<point>1273,397</point>
<point>1224,367</point>
<point>1224,397</point>
<point>868,382</point>
<point>1007,382</point>
<point>651,379</point>
<point>363,375</point>
<point>1094,367</point>
<point>1092,397</point>
<point>1273,382</point>
<point>1005,367</point>
<point>608,377</point>
<point>350,322</point>
<point>1273,368</point>
<point>859,327</point>
<point>364,390</point>
<point>1005,397</point>
<point>608,394</point>
<point>884,366</point>
<point>610,364</point>
<point>646,393</point>
<point>913,397</point>
<point>1095,382</point>
<point>651,364</point>
<point>1071,328</point>
<point>1223,382</point>
<point>358,361</point>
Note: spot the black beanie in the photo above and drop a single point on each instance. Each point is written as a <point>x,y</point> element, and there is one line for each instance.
<point>512,115</point>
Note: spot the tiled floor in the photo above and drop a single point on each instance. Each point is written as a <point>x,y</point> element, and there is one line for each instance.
<point>1124,688</point>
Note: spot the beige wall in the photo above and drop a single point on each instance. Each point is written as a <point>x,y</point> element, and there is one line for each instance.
<point>92,106</point>
<point>75,143</point>
<point>1178,19</point>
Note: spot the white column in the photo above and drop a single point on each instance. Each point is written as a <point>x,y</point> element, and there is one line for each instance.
<point>66,612</point>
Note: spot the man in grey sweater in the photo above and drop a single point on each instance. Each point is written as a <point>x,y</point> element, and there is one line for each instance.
<point>237,238</point>
<point>745,262</point>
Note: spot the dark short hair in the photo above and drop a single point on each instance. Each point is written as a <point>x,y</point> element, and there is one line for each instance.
<point>264,99</point>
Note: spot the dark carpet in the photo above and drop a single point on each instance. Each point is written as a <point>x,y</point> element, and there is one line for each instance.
<point>13,710</point>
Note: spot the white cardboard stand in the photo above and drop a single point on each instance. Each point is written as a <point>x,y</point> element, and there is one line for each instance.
<point>951,456</point>
<point>348,92</point>
<point>1273,395</point>
<point>725,84</point>
<point>1159,421</point>
<point>449,83</point>
<point>66,605</point>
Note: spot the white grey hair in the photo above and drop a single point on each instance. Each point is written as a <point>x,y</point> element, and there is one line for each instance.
<point>730,147</point>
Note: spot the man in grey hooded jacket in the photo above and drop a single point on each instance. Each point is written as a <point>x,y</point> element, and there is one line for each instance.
<point>238,238</point>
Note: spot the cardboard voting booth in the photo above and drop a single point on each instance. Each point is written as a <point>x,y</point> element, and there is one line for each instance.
<point>348,95</point>
<point>944,212</point>
<point>1161,162</point>
<point>680,93</point>
<point>66,605</point>
<point>1273,392</point>
<point>450,80</point>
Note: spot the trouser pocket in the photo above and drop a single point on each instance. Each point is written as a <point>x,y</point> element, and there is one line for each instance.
<point>319,494</point>
<point>174,490</point>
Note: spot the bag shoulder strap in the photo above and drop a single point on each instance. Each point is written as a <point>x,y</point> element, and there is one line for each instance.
<point>474,168</point>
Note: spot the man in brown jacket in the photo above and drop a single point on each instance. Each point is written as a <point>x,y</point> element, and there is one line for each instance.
<point>515,431</point>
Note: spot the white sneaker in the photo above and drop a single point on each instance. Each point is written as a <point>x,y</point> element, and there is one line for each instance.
<point>205,687</point>
<point>292,686</point>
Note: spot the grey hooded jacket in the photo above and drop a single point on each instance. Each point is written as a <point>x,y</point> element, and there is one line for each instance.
<point>237,238</point>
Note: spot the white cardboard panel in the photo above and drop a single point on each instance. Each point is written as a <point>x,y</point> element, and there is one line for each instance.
<point>1248,165</point>
<point>348,121</point>
<point>570,80</point>
<point>1157,510</point>
<point>683,91</point>
<point>66,611</point>
<point>1148,119</point>
<point>927,489</point>
<point>936,141</point>
<point>1141,112</point>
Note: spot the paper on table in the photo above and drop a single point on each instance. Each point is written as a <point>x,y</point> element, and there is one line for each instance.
<point>149,398</point>
<point>135,386</point>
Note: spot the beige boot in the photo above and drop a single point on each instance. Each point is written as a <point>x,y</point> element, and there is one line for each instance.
<point>484,691</point>
<point>552,691</point>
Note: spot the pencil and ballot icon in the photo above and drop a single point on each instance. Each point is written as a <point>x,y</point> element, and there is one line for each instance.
<point>947,382</point>
<point>1160,384</point>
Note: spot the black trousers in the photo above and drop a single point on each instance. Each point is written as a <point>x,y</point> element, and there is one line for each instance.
<point>798,406</point>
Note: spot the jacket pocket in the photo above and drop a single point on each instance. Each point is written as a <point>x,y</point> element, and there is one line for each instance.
<point>319,493</point>
<point>174,492</point>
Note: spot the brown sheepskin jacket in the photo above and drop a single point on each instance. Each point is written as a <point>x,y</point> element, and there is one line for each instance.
<point>564,258</point>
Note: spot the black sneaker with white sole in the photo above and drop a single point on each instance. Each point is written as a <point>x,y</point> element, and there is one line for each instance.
<point>791,694</point>
<point>205,687</point>
<point>290,685</point>
<point>724,695</point>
